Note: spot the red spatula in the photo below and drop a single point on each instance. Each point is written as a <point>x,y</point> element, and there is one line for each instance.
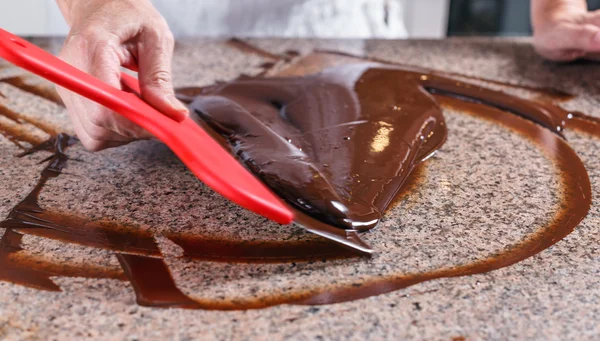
<point>200,153</point>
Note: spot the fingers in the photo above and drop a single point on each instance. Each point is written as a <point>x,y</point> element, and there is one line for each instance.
<point>97,127</point>
<point>568,41</point>
<point>104,64</point>
<point>593,18</point>
<point>93,138</point>
<point>105,36</point>
<point>155,51</point>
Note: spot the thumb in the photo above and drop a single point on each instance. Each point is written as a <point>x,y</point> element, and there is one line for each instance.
<point>593,18</point>
<point>155,51</point>
<point>569,41</point>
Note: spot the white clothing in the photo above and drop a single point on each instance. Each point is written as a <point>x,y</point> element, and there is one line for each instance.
<point>285,18</point>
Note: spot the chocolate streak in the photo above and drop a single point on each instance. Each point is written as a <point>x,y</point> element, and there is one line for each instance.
<point>383,110</point>
<point>136,251</point>
<point>574,206</point>
<point>32,84</point>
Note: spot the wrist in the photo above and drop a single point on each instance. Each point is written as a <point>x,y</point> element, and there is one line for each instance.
<point>73,9</point>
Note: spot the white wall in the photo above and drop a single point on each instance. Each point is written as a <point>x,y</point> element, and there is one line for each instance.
<point>32,17</point>
<point>427,18</point>
<point>421,18</point>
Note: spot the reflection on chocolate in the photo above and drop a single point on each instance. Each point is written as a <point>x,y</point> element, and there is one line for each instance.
<point>338,145</point>
<point>140,258</point>
<point>575,204</point>
<point>584,123</point>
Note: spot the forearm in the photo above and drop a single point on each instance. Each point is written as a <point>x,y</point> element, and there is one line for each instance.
<point>71,9</point>
<point>544,12</point>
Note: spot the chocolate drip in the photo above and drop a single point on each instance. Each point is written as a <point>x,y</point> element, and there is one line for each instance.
<point>259,252</point>
<point>33,85</point>
<point>152,282</point>
<point>248,48</point>
<point>17,273</point>
<point>149,276</point>
<point>11,131</point>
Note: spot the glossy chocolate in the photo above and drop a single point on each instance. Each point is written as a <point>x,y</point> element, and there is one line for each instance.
<point>339,144</point>
<point>139,256</point>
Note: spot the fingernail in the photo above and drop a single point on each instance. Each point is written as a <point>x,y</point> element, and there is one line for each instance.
<point>177,104</point>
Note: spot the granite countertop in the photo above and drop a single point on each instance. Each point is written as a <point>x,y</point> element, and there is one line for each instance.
<point>486,190</point>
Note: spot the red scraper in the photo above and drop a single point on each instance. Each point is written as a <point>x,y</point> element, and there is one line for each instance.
<point>195,147</point>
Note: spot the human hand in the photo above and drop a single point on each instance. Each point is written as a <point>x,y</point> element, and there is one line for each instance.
<point>108,34</point>
<point>564,30</point>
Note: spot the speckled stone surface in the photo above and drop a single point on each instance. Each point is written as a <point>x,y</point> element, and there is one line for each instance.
<point>484,191</point>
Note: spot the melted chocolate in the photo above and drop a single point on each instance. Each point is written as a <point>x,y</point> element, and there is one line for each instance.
<point>245,47</point>
<point>554,95</point>
<point>584,123</point>
<point>136,250</point>
<point>34,86</point>
<point>575,204</point>
<point>140,257</point>
<point>10,130</point>
<point>339,144</point>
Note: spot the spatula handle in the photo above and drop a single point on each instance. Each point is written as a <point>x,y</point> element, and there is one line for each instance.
<point>207,159</point>
<point>30,57</point>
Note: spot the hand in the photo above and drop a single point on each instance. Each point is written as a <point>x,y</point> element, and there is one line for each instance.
<point>108,34</point>
<point>564,30</point>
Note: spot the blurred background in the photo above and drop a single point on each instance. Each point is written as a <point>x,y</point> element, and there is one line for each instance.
<point>305,18</point>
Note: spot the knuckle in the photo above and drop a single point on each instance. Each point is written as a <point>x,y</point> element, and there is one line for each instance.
<point>167,34</point>
<point>159,31</point>
<point>92,41</point>
<point>104,47</point>
<point>160,22</point>
<point>169,40</point>
<point>160,78</point>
